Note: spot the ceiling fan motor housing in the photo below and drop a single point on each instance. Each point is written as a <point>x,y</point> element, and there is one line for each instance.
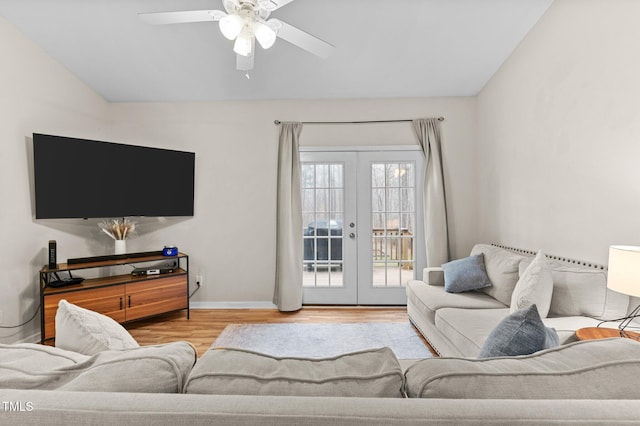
<point>248,8</point>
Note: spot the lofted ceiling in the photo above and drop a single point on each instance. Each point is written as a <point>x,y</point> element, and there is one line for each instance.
<point>392,48</point>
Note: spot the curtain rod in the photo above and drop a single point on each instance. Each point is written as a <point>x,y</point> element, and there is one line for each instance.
<point>278,122</point>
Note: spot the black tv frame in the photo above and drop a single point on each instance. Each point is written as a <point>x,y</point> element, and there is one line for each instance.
<point>84,178</point>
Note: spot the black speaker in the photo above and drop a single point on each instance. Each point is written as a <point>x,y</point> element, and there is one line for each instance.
<point>53,263</point>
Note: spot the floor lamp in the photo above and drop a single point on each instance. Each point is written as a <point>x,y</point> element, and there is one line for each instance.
<point>624,277</point>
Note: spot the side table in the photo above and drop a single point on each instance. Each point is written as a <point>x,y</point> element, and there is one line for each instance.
<point>593,333</point>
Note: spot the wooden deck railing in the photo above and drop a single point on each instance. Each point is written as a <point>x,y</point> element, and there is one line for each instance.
<point>393,244</point>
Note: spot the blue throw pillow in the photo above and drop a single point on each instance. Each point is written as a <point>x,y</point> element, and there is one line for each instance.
<point>521,333</point>
<point>465,274</point>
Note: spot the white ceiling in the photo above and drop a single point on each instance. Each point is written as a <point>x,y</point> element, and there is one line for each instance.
<point>393,48</point>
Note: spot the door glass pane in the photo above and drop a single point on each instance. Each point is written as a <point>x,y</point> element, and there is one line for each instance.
<point>393,223</point>
<point>378,200</point>
<point>322,200</point>
<point>323,212</point>
<point>336,178</point>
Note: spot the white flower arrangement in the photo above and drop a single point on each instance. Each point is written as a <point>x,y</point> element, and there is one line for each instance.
<point>118,229</point>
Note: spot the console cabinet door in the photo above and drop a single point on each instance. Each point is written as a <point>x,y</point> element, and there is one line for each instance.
<point>157,295</point>
<point>108,301</point>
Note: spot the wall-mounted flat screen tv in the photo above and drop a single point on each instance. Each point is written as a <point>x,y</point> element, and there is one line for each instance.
<point>80,178</point>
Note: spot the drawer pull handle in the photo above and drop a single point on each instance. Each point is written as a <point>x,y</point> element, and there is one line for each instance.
<point>121,303</point>
<point>129,301</point>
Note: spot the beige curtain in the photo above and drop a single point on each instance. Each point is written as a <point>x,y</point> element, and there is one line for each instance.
<point>436,232</point>
<point>288,287</point>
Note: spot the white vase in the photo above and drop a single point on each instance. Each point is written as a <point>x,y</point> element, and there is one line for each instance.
<point>121,246</point>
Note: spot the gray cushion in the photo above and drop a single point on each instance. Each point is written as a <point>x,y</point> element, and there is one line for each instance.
<point>465,274</point>
<point>161,368</point>
<point>468,329</point>
<point>534,287</point>
<point>428,299</point>
<point>502,269</point>
<point>370,373</point>
<point>579,290</point>
<point>596,369</point>
<point>521,333</point>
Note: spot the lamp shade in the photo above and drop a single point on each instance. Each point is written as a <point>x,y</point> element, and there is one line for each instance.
<point>624,270</point>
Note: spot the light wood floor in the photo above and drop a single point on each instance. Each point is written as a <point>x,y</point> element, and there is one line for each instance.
<point>205,325</point>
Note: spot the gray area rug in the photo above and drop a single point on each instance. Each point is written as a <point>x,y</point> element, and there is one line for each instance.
<point>323,340</point>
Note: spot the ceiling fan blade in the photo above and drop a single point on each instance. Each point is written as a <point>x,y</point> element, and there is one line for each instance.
<point>302,39</point>
<point>272,5</point>
<point>244,63</point>
<point>182,17</point>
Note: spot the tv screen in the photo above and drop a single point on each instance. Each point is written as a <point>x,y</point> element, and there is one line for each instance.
<point>79,178</point>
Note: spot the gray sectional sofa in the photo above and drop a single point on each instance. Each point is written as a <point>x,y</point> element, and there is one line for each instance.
<point>589,382</point>
<point>581,383</point>
<point>457,324</point>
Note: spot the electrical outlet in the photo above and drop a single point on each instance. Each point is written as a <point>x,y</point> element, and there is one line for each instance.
<point>199,280</point>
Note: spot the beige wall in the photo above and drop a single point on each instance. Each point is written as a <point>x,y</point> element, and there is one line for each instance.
<point>545,157</point>
<point>231,238</point>
<point>36,95</point>
<point>559,134</point>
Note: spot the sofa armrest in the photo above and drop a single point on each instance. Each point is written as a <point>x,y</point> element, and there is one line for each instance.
<point>433,275</point>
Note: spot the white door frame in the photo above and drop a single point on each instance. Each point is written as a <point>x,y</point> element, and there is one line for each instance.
<point>357,252</point>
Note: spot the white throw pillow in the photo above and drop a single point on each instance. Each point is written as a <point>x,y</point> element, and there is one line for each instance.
<point>87,332</point>
<point>534,287</point>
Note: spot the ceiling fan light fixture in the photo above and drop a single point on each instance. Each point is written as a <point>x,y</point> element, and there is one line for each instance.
<point>231,26</point>
<point>265,35</point>
<point>244,43</point>
<point>244,22</point>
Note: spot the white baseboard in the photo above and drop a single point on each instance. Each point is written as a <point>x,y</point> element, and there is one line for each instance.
<point>232,305</point>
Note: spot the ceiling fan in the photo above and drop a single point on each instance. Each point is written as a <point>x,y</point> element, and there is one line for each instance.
<point>246,21</point>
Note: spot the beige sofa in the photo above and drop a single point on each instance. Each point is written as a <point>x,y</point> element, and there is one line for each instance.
<point>580,383</point>
<point>592,382</point>
<point>457,324</point>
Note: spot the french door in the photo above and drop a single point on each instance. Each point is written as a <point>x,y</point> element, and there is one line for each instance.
<point>362,225</point>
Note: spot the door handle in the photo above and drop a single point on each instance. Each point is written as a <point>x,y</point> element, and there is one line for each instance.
<point>121,303</point>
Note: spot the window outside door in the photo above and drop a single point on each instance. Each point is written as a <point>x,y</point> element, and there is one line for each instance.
<point>362,219</point>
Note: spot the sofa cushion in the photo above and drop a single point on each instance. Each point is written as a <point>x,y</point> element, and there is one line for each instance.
<point>161,368</point>
<point>534,287</point>
<point>579,290</point>
<point>37,358</point>
<point>87,332</point>
<point>428,299</point>
<point>596,369</point>
<point>502,269</point>
<point>521,333</point>
<point>465,274</point>
<point>468,329</point>
<point>369,373</point>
